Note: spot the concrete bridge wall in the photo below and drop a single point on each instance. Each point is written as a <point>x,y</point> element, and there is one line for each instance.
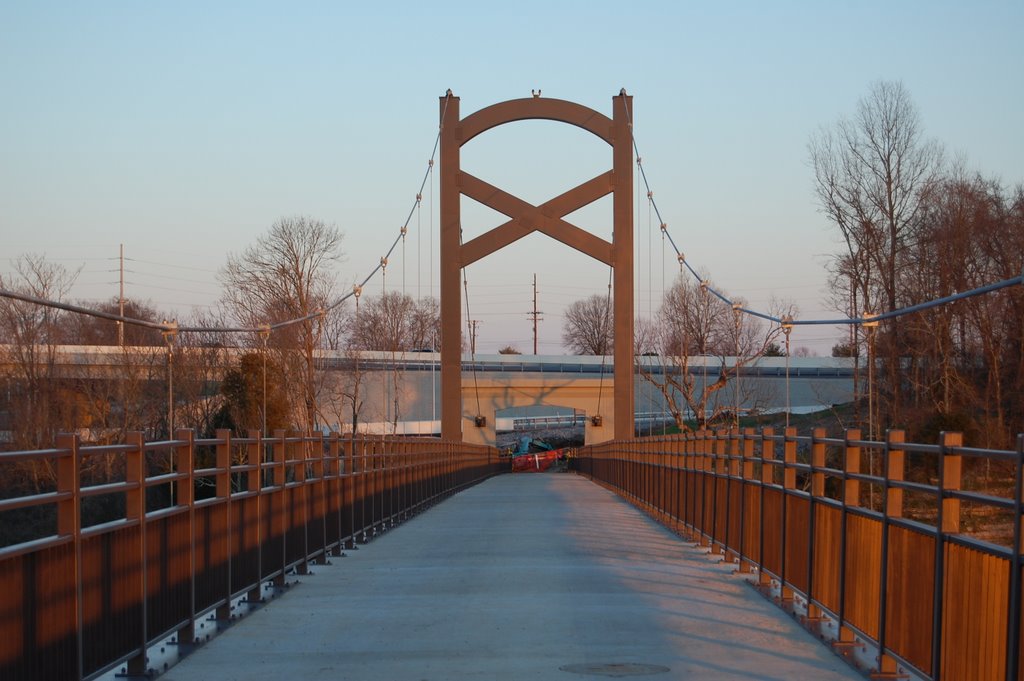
<point>405,388</point>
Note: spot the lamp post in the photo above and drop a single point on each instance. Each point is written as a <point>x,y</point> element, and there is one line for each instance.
<point>736,363</point>
<point>170,332</point>
<point>264,334</point>
<point>870,324</point>
<point>787,328</point>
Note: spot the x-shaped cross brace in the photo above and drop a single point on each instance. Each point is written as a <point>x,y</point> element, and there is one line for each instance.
<point>527,218</point>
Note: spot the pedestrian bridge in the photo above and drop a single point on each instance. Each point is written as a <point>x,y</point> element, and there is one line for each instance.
<point>520,577</point>
<point>664,556</point>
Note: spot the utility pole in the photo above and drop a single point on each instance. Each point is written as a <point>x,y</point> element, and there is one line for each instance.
<point>535,315</point>
<point>472,323</point>
<point>120,303</point>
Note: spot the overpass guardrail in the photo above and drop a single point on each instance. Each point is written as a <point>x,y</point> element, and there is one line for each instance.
<point>201,522</point>
<point>873,545</point>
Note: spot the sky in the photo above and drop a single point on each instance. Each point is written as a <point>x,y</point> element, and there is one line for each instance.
<point>183,130</point>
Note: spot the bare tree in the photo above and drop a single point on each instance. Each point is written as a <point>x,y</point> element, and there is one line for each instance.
<point>694,324</point>
<point>288,274</point>
<point>395,322</point>
<point>344,393</point>
<point>872,173</point>
<point>958,356</point>
<point>425,328</point>
<point>201,364</point>
<point>88,330</point>
<point>589,327</point>
<point>37,397</point>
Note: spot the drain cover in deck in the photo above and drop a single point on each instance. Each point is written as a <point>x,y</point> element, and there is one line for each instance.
<point>615,669</point>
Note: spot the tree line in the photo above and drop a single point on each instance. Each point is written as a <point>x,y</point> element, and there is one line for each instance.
<point>215,380</point>
<point>912,227</point>
<point>915,227</point>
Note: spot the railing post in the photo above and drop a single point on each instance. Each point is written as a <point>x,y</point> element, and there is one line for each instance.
<point>317,495</point>
<point>720,467</point>
<point>767,479</point>
<point>184,458</point>
<point>279,458</point>
<point>677,486</point>
<point>817,491</point>
<point>892,507</point>
<point>788,485</point>
<point>335,454</point>
<point>851,497</point>
<point>947,522</point>
<point>746,477</point>
<point>222,481</point>
<point>299,453</point>
<point>952,471</point>
<point>705,474</point>
<point>223,456</point>
<point>1014,611</point>
<point>254,484</point>
<point>135,509</point>
<point>69,523</point>
<point>851,464</point>
<point>732,471</point>
<point>184,485</point>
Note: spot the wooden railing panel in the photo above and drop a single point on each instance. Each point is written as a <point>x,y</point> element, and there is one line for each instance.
<point>909,606</point>
<point>798,509</point>
<point>168,573</point>
<point>771,530</point>
<point>38,623</point>
<point>974,615</point>
<point>752,522</point>
<point>272,530</point>
<point>212,555</point>
<point>827,555</point>
<point>111,597</point>
<point>863,572</point>
<point>245,544</point>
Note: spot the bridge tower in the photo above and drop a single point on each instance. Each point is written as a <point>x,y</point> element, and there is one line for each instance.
<point>524,219</point>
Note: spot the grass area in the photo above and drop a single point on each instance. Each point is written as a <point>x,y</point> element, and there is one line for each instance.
<point>834,420</point>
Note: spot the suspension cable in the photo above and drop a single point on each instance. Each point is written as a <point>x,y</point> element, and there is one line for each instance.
<point>995,286</point>
<point>319,313</point>
<point>472,339</point>
<point>387,332</point>
<point>604,355</point>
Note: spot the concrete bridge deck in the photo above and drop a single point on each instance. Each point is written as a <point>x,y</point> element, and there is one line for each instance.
<point>521,577</point>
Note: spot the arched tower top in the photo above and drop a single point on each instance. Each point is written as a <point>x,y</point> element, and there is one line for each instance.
<point>529,108</point>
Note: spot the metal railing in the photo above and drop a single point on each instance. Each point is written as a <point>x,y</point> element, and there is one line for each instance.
<point>203,522</point>
<point>869,539</point>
